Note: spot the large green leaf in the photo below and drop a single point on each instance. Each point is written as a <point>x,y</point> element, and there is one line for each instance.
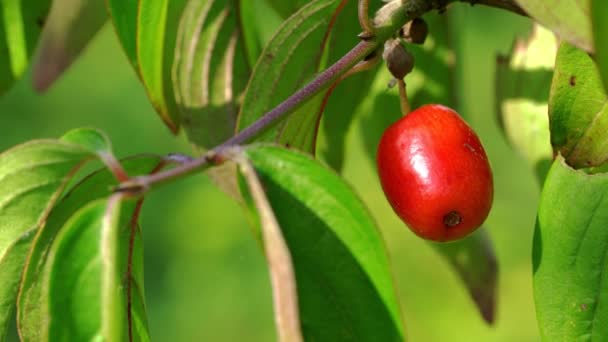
<point>69,28</point>
<point>32,176</point>
<point>156,42</point>
<point>570,248</point>
<point>191,58</point>
<point>96,186</point>
<point>599,10</point>
<point>83,287</point>
<point>578,109</point>
<point>570,20</point>
<point>523,110</point>
<point>210,70</point>
<point>297,46</point>
<point>20,27</point>
<point>344,283</point>
<point>124,17</point>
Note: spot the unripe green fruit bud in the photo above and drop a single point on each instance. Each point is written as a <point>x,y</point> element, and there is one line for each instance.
<point>398,60</point>
<point>415,31</point>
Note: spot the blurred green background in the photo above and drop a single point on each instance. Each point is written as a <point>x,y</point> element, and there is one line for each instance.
<point>205,275</point>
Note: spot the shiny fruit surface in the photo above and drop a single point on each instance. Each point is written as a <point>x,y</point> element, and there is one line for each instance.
<point>435,173</point>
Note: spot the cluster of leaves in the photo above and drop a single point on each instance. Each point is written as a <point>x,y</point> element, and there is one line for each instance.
<point>567,149</point>
<point>70,248</point>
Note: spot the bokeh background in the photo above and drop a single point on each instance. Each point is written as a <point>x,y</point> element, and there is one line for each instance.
<point>206,278</point>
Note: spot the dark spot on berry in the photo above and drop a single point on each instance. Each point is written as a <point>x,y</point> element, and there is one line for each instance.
<point>584,307</point>
<point>572,80</point>
<point>452,219</point>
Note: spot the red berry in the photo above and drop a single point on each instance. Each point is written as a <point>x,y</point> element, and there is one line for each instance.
<point>435,173</point>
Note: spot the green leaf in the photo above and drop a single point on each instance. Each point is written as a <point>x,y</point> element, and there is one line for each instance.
<point>20,27</point>
<point>287,8</point>
<point>93,140</point>
<point>523,110</point>
<point>570,248</point>
<point>32,177</point>
<point>210,70</point>
<point>83,281</point>
<point>263,22</point>
<point>348,95</point>
<point>578,109</point>
<point>96,186</point>
<point>157,26</point>
<point>599,9</point>
<point>345,288</point>
<point>298,45</point>
<point>253,43</point>
<point>570,20</point>
<point>474,260</point>
<point>69,28</point>
<point>124,17</point>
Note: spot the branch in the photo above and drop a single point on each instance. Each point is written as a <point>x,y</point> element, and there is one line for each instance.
<point>388,20</point>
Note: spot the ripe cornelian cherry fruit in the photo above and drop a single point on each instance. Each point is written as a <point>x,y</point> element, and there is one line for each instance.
<point>435,173</point>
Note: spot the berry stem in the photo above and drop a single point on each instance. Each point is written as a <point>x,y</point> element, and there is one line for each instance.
<point>405,103</point>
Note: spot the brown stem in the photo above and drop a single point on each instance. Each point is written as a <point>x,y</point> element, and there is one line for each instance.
<point>403,101</point>
<point>364,20</point>
<point>389,19</point>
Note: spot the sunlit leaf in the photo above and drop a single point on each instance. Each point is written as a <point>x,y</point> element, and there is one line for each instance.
<point>210,70</point>
<point>342,269</point>
<point>570,20</point>
<point>523,110</point>
<point>156,41</point>
<point>32,177</point>
<point>83,281</point>
<point>70,26</point>
<point>98,185</point>
<point>578,109</point>
<point>124,17</point>
<point>570,248</point>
